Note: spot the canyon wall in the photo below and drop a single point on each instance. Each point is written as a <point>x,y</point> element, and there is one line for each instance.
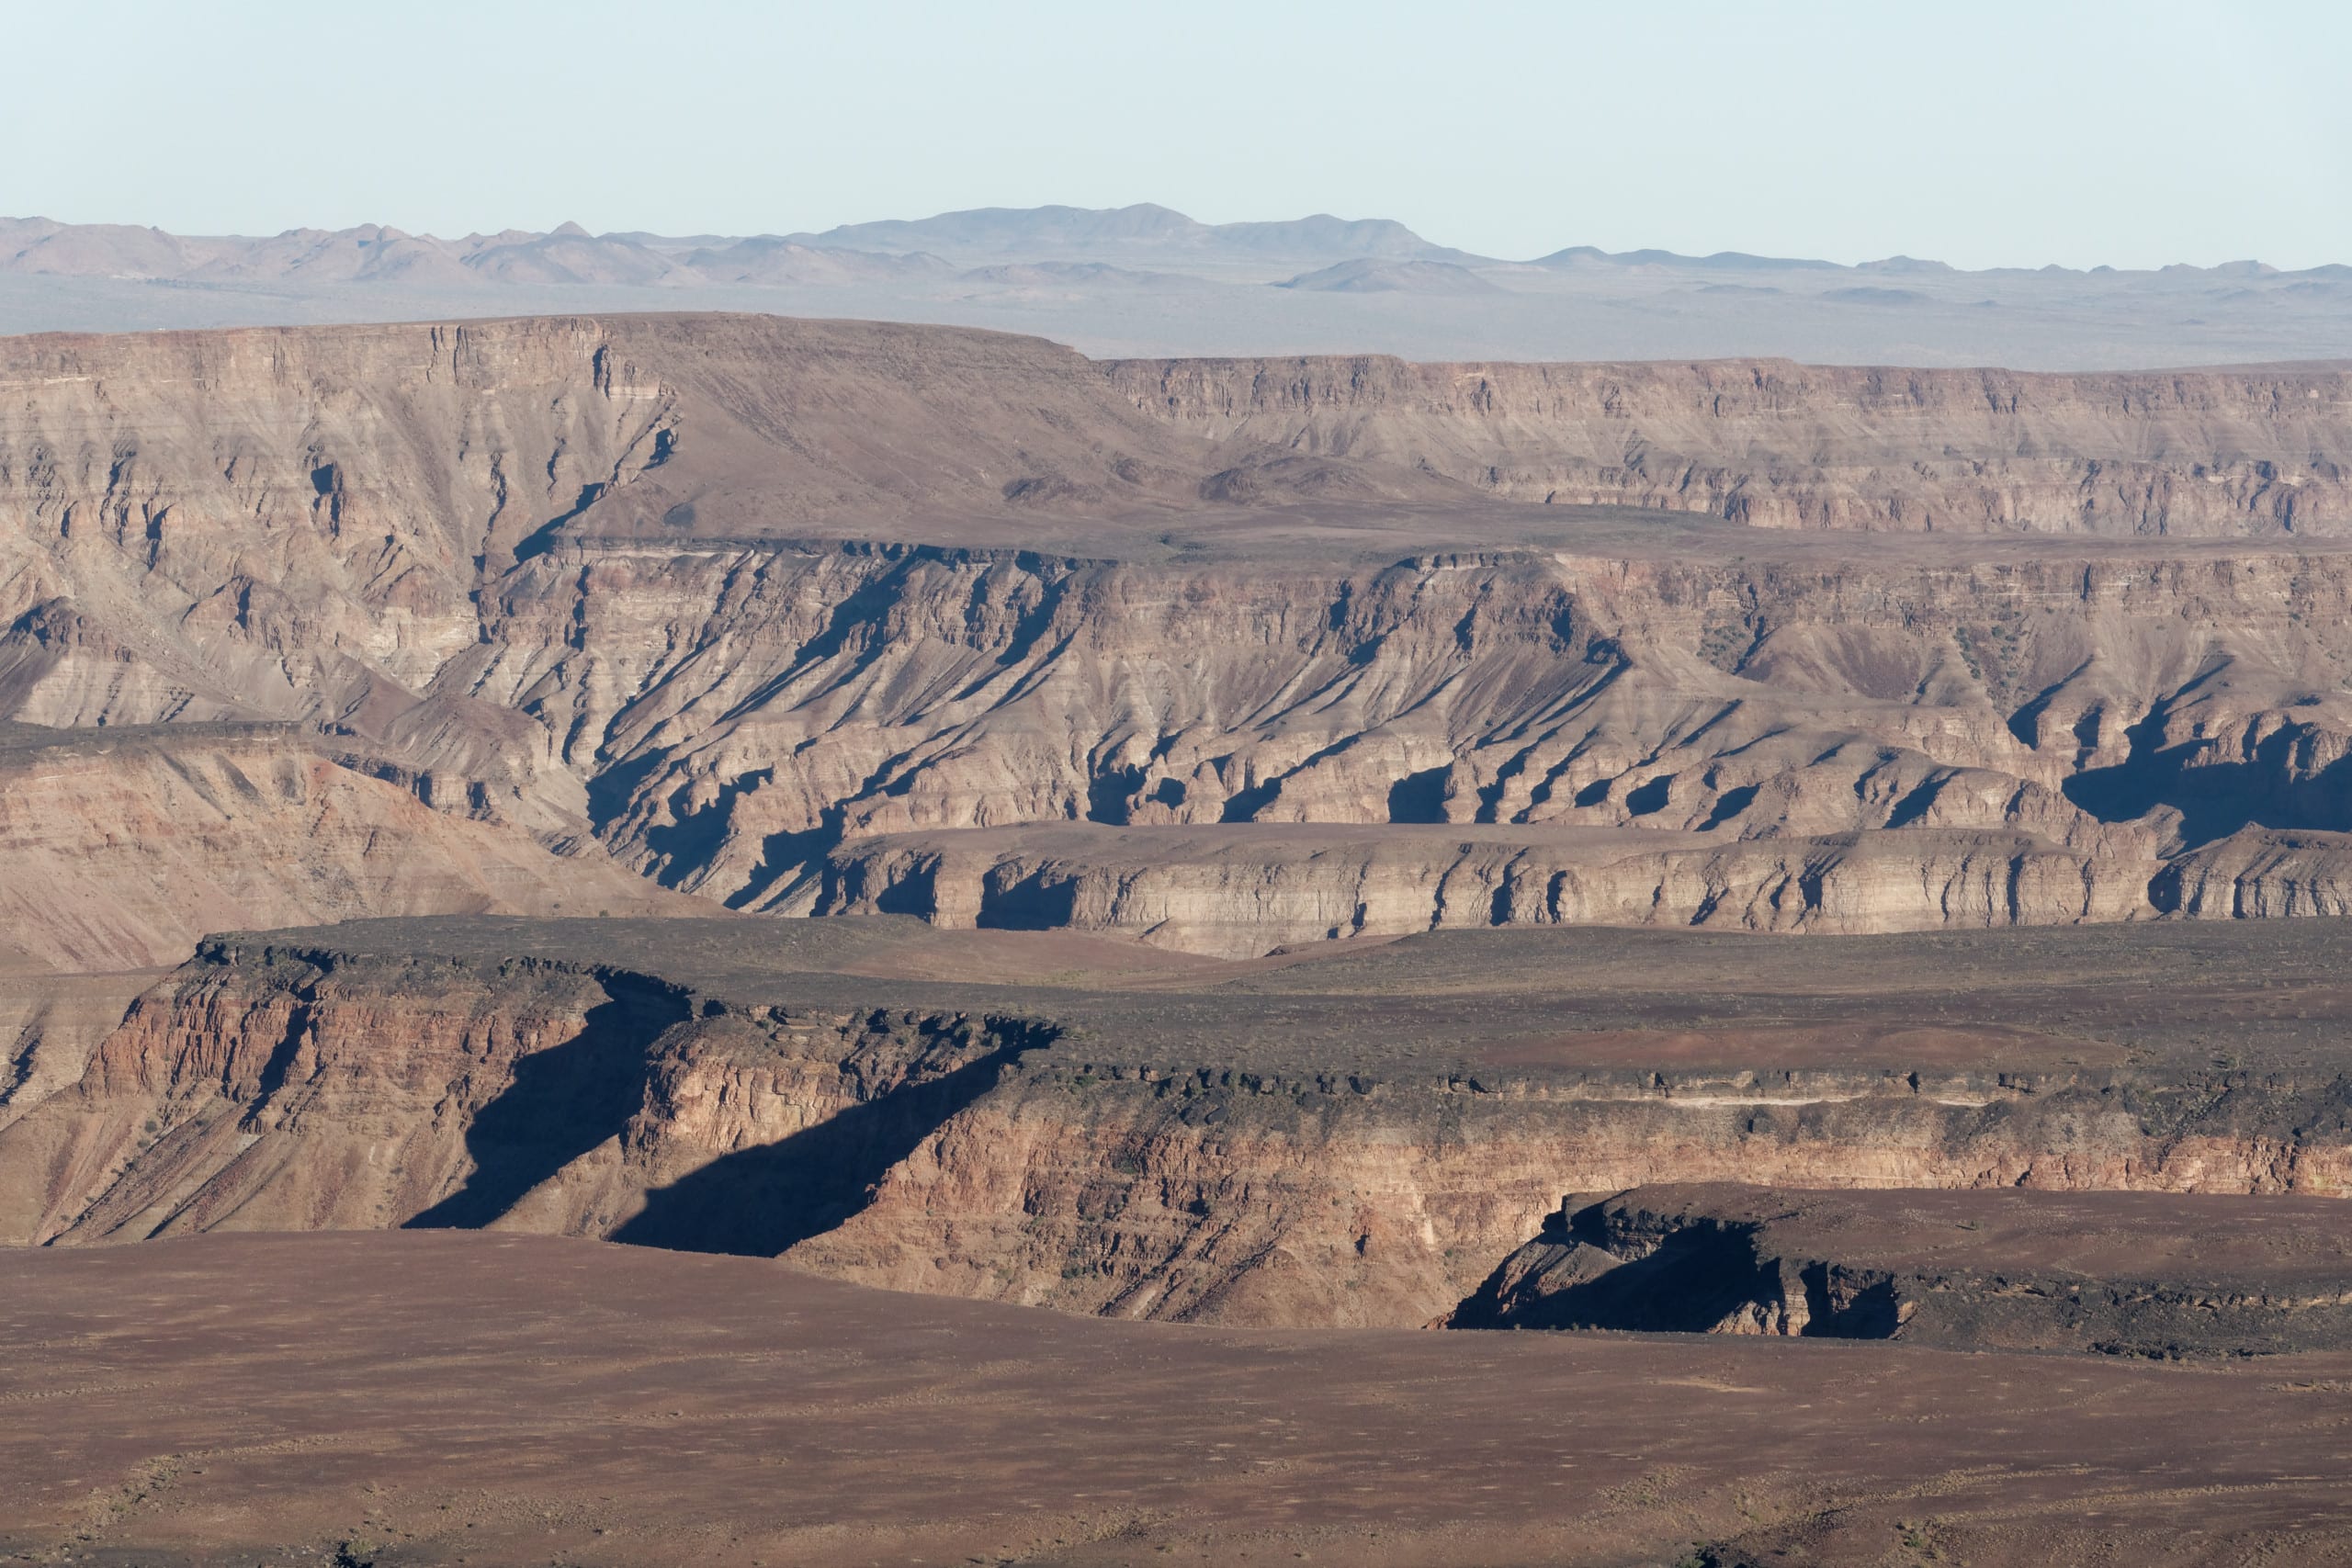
<point>807,617</point>
<point>119,846</point>
<point>1777,445</point>
<point>1693,742</point>
<point>1017,1153</point>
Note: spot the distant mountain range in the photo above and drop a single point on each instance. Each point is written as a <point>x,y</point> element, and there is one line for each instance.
<point>991,246</point>
<point>372,254</point>
<point>1145,280</point>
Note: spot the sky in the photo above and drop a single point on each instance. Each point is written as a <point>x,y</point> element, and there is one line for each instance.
<point>1993,132</point>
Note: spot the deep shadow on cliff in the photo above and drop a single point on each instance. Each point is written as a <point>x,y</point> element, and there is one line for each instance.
<point>2271,787</point>
<point>764,1200</point>
<point>2160,1276</point>
<point>563,1101</point>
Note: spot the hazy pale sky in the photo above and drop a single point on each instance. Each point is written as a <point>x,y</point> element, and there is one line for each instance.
<point>1992,132</point>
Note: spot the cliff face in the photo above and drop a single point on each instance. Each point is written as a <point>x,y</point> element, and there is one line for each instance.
<point>2048,739</point>
<point>1236,894</point>
<point>119,848</point>
<point>1024,1154</point>
<point>50,1024</point>
<point>1271,1200</point>
<point>1782,446</point>
<point>302,1088</point>
<point>370,1088</point>
<point>570,578</point>
<point>294,522</point>
<point>322,494</point>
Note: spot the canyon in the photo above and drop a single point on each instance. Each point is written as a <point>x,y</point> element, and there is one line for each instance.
<point>810,617</point>
<point>1310,861</point>
<point>1276,1204</point>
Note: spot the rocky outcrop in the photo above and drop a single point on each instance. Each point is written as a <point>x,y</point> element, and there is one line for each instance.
<point>2109,1272</point>
<point>1032,1149</point>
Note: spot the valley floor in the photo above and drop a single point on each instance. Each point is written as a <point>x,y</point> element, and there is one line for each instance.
<point>426,1399</point>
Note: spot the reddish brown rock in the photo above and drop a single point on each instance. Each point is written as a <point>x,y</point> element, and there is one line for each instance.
<point>1352,1140</point>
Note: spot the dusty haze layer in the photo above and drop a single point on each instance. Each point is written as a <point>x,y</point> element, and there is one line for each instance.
<point>812,617</point>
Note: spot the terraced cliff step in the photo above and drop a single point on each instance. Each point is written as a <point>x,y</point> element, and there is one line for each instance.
<point>1358,1137</point>
<point>2165,1274</point>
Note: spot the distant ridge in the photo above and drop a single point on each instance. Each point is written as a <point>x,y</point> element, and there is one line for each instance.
<point>1143,237</point>
<point>1722,261</point>
<point>1036,230</point>
<point>1393,278</point>
<point>1148,279</point>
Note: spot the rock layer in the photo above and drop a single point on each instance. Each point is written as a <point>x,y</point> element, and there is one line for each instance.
<point>1236,894</point>
<point>1782,446</point>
